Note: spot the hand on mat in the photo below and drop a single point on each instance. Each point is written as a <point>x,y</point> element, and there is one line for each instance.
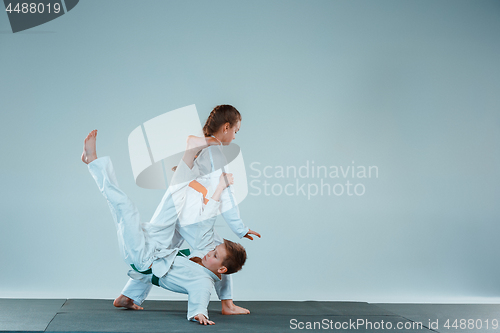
<point>203,320</point>
<point>253,233</point>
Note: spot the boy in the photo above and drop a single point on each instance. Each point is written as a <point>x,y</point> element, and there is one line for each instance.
<point>148,247</point>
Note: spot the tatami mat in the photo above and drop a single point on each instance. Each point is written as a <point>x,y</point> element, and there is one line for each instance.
<point>89,315</point>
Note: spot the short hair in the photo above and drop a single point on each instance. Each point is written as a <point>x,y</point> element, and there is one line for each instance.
<point>235,256</point>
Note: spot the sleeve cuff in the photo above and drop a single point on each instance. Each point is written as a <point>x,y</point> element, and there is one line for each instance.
<point>244,233</point>
<point>205,313</point>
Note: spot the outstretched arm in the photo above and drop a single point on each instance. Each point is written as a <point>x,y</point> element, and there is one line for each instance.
<point>198,299</point>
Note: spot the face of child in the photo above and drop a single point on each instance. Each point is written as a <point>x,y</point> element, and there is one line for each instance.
<point>231,134</point>
<point>214,259</point>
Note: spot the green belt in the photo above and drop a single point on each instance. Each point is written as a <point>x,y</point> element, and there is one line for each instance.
<point>154,279</point>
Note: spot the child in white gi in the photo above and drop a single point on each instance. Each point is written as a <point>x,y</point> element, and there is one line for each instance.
<point>208,169</point>
<point>208,166</point>
<point>148,247</point>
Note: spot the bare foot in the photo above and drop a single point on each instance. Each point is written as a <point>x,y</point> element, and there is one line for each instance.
<point>229,308</point>
<point>89,151</point>
<point>124,302</point>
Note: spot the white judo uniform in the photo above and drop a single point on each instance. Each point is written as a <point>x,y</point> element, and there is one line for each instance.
<point>151,247</point>
<point>207,168</point>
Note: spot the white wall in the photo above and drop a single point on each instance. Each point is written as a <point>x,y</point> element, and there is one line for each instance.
<point>410,87</point>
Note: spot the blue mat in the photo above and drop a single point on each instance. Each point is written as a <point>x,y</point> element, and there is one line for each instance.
<point>88,315</point>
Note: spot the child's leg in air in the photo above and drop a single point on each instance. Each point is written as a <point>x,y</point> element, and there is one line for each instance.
<point>127,220</point>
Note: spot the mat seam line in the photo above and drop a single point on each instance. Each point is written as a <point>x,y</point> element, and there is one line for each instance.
<point>55,315</point>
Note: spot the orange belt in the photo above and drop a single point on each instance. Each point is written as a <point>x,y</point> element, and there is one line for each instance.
<point>200,188</point>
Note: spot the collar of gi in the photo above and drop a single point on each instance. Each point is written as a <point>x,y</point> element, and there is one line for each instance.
<point>203,269</point>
